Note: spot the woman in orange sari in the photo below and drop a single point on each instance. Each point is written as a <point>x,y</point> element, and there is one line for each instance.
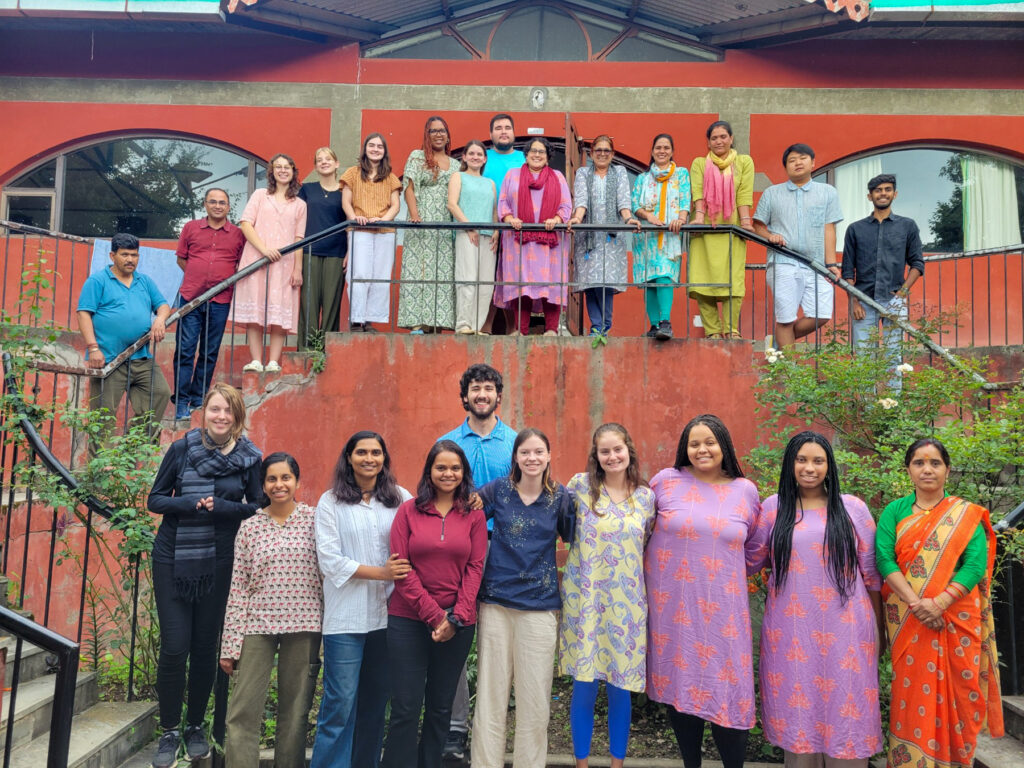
<point>936,554</point>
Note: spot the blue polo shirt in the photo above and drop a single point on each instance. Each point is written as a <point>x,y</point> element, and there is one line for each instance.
<point>500,164</point>
<point>490,456</point>
<point>120,313</point>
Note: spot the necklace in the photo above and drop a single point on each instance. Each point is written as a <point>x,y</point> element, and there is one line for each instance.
<point>926,509</point>
<point>326,192</point>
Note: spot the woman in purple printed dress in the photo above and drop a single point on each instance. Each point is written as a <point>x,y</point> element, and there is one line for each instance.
<point>822,621</point>
<point>699,657</point>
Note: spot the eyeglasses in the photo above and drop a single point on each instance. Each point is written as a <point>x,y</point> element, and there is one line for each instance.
<point>537,152</point>
<point>282,167</point>
<point>437,131</point>
<point>601,151</point>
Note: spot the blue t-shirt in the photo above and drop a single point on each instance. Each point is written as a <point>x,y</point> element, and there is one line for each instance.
<point>521,572</point>
<point>490,456</point>
<point>500,164</point>
<point>120,313</point>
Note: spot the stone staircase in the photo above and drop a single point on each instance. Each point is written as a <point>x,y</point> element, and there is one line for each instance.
<point>1007,752</point>
<point>103,733</point>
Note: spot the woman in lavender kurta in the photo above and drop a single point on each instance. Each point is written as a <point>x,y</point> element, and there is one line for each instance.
<point>539,259</point>
<point>819,640</point>
<point>703,546</point>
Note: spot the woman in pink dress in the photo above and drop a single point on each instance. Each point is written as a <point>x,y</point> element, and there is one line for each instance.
<point>703,546</point>
<point>534,194</point>
<point>823,619</point>
<point>269,299</point>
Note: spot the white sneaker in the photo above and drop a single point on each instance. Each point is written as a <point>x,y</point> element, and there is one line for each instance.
<point>272,367</point>
<point>254,366</point>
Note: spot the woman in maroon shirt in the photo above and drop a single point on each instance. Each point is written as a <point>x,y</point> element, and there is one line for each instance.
<point>432,613</point>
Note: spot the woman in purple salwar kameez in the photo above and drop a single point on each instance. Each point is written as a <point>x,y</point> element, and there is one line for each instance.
<point>699,651</point>
<point>533,273</point>
<point>822,622</point>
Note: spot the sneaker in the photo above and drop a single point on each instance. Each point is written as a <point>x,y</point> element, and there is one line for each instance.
<point>652,333</point>
<point>454,747</point>
<point>272,367</point>
<point>182,411</point>
<point>196,745</point>
<point>167,750</point>
<point>664,332</point>
<point>253,366</point>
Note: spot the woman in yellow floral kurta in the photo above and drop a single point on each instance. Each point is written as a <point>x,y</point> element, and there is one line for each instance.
<point>661,196</point>
<point>604,602</point>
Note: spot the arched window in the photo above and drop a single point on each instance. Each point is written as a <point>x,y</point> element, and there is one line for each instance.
<point>147,185</point>
<point>961,199</point>
<point>539,31</point>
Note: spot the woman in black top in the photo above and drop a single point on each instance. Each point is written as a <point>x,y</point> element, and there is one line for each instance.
<point>324,267</point>
<point>208,482</point>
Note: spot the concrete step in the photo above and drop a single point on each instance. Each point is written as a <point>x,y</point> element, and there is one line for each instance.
<point>34,706</point>
<point>1013,716</point>
<point>1006,752</point>
<point>102,736</point>
<point>33,661</point>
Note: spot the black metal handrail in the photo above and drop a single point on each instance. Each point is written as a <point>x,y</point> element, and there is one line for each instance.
<point>66,653</point>
<point>691,229</point>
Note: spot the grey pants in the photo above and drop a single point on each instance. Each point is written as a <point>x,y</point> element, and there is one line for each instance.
<point>298,665</point>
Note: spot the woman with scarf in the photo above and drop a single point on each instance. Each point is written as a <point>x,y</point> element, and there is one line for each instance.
<point>936,553</point>
<point>661,196</point>
<point>534,268</point>
<point>601,195</point>
<point>208,483</point>
<point>723,192</point>
<point>426,295</point>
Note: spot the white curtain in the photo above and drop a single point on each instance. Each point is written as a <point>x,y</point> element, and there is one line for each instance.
<point>852,185</point>
<point>991,219</point>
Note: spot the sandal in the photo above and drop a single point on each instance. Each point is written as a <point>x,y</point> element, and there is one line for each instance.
<point>254,366</point>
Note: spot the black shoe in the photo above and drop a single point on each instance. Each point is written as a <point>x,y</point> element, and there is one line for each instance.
<point>664,332</point>
<point>454,747</point>
<point>652,333</point>
<point>167,750</point>
<point>196,745</point>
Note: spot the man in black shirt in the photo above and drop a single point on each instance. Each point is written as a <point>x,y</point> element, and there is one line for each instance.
<point>882,257</point>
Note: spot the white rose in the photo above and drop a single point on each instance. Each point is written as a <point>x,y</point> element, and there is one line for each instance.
<point>904,368</point>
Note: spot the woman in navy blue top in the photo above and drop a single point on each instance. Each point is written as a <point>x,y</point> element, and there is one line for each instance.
<point>517,627</point>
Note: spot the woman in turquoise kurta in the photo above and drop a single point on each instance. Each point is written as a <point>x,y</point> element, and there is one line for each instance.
<point>661,196</point>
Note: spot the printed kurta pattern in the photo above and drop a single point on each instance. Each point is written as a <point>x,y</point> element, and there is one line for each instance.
<point>649,260</point>
<point>700,652</point>
<point>428,254</point>
<point>604,602</point>
<point>819,657</point>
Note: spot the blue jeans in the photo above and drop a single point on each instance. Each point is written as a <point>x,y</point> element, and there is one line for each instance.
<point>350,728</point>
<point>202,328</point>
<point>891,336</point>
<point>599,309</point>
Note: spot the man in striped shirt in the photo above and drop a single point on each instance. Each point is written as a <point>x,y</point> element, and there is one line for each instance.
<point>800,214</point>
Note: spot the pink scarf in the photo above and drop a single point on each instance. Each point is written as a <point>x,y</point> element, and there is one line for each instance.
<point>549,201</point>
<point>719,189</point>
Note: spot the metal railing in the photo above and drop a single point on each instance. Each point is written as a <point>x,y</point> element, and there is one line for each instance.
<point>66,655</point>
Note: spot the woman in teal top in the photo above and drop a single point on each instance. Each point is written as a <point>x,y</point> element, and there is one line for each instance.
<point>936,554</point>
<point>473,197</point>
<point>661,196</point>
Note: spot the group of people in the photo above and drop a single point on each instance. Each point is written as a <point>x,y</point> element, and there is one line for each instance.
<point>458,282</point>
<point>654,597</point>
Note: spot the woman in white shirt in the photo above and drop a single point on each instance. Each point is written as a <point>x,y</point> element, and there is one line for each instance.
<point>353,525</point>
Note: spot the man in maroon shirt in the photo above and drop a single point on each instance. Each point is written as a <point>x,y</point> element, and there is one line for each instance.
<point>208,252</point>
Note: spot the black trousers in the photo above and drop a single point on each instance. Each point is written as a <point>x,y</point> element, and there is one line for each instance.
<point>424,674</point>
<point>189,637</point>
<point>689,730</point>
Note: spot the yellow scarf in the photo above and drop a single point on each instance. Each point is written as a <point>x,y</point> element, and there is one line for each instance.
<point>663,179</point>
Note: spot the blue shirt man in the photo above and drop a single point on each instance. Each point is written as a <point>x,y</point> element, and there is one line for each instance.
<point>502,157</point>
<point>115,308</point>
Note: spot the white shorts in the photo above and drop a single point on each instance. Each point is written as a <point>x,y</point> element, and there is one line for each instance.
<point>796,287</point>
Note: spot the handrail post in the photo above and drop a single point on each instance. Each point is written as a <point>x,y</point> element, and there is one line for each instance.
<point>63,707</point>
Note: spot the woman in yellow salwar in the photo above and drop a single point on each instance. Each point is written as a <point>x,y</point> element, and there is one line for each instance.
<point>936,554</point>
<point>723,192</point>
